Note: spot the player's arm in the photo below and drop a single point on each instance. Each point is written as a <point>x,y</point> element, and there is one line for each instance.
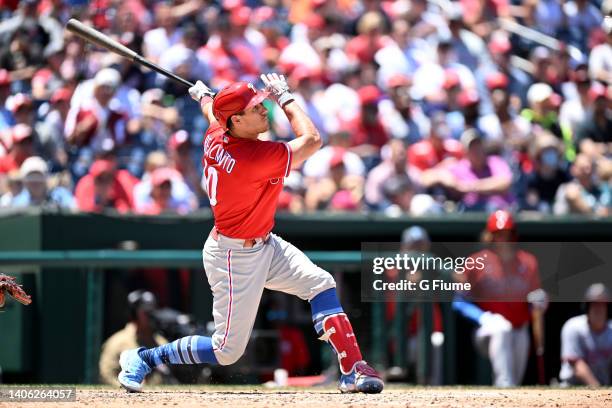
<point>489,185</point>
<point>307,140</point>
<point>583,372</point>
<point>204,96</point>
<point>467,309</point>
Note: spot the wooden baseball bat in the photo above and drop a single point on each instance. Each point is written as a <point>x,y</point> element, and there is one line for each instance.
<point>537,318</point>
<point>94,36</point>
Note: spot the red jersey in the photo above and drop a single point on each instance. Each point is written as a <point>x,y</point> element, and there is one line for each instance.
<point>423,155</point>
<point>243,180</point>
<point>364,48</point>
<point>374,134</point>
<point>122,197</point>
<point>511,281</point>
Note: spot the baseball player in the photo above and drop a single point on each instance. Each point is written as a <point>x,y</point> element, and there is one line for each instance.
<point>244,177</point>
<point>586,342</point>
<point>510,274</point>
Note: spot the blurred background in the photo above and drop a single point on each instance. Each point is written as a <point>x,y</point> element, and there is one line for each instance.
<point>433,113</point>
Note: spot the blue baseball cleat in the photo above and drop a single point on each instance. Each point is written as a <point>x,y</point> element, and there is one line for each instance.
<point>133,370</point>
<point>363,378</point>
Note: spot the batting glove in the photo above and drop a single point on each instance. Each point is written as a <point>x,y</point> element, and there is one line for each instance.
<point>278,88</point>
<point>493,323</point>
<point>200,92</point>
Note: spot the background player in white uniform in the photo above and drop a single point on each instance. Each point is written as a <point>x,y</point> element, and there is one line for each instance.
<point>586,342</point>
<point>241,256</point>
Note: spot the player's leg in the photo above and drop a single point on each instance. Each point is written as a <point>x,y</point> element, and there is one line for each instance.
<point>499,352</point>
<point>292,272</point>
<point>237,293</point>
<point>520,348</point>
<point>236,277</point>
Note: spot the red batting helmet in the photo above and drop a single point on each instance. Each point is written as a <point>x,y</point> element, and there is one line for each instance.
<point>234,99</point>
<point>500,220</point>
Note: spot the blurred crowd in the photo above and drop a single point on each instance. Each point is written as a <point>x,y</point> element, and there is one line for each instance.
<point>424,107</point>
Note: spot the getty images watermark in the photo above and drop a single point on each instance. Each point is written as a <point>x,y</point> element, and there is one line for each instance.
<point>413,263</point>
<point>485,272</point>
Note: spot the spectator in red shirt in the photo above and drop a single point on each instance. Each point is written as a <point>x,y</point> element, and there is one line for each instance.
<point>370,39</point>
<point>20,148</point>
<point>437,149</point>
<point>102,188</point>
<point>93,118</point>
<point>368,133</point>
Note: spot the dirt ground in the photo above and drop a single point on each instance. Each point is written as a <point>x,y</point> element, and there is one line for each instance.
<point>244,397</point>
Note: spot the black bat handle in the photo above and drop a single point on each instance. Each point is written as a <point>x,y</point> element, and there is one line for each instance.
<point>140,60</point>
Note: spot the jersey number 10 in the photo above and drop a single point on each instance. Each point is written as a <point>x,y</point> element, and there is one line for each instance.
<point>212,178</point>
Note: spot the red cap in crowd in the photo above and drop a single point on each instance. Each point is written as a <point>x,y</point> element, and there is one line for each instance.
<point>240,16</point>
<point>497,80</point>
<point>398,80</point>
<point>451,79</point>
<point>234,99</point>
<point>61,95</point>
<point>369,94</point>
<point>500,220</point>
<point>499,45</point>
<point>468,97</point>
<point>314,21</point>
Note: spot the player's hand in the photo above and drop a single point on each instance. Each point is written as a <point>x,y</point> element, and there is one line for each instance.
<point>278,88</point>
<point>199,90</point>
<point>538,299</point>
<point>8,285</point>
<point>493,323</point>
